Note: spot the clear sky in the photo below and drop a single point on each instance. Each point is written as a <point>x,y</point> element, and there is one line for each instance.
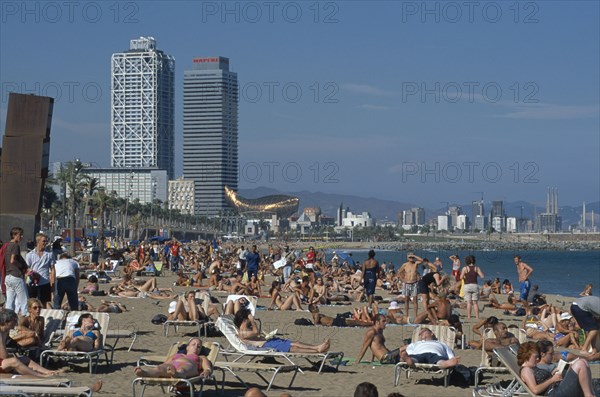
<point>419,102</point>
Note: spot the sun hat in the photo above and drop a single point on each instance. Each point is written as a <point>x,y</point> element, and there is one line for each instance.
<point>565,316</point>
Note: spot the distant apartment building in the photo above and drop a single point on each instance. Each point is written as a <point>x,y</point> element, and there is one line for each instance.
<point>454,211</point>
<point>462,222</point>
<point>444,222</point>
<point>181,195</point>
<point>143,184</point>
<point>480,223</point>
<point>498,224</point>
<point>414,217</point>
<point>511,224</point>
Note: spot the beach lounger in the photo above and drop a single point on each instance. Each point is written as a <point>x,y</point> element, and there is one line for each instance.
<point>248,353</point>
<point>516,388</point>
<point>486,359</point>
<point>446,335</point>
<point>103,320</point>
<point>201,324</point>
<point>44,391</point>
<point>179,383</point>
<point>26,380</point>
<point>233,367</point>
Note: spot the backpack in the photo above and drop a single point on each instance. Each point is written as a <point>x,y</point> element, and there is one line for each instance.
<point>159,319</point>
<point>3,268</point>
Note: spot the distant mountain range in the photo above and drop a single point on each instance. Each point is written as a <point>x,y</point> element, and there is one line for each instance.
<point>389,209</point>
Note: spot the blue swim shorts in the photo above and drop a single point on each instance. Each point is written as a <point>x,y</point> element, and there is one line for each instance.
<point>525,286</point>
<point>279,345</point>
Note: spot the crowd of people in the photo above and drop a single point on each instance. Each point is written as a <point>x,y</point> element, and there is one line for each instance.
<point>300,280</point>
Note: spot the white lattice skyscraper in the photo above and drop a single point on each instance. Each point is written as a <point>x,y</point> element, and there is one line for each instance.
<point>142,107</point>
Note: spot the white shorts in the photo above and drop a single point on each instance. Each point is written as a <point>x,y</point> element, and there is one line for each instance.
<point>471,292</point>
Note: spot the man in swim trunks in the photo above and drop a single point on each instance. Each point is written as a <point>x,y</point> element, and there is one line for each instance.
<point>375,341</point>
<point>409,275</point>
<point>524,271</point>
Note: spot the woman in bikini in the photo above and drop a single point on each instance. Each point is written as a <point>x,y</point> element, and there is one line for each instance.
<point>84,338</point>
<point>278,301</point>
<point>249,333</point>
<point>186,363</point>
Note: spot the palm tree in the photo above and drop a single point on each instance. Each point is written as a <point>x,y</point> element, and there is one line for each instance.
<point>101,202</point>
<point>72,179</point>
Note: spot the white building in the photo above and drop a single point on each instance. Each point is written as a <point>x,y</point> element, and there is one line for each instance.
<point>511,224</point>
<point>144,184</point>
<point>462,222</point>
<point>361,220</point>
<point>498,223</point>
<point>181,195</point>
<point>143,108</point>
<point>444,222</point>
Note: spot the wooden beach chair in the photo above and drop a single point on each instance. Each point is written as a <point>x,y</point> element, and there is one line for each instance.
<point>243,352</point>
<point>444,334</point>
<point>179,383</point>
<point>92,357</point>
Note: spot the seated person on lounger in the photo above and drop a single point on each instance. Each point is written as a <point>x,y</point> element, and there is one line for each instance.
<point>283,304</point>
<point>187,309</point>
<point>10,363</point>
<point>31,327</point>
<point>577,381</point>
<point>503,338</point>
<point>232,307</point>
<point>428,351</point>
<point>84,338</point>
<point>338,321</point>
<point>249,334</point>
<point>186,363</point>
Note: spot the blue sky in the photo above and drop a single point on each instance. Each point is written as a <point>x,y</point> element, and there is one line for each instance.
<point>394,100</point>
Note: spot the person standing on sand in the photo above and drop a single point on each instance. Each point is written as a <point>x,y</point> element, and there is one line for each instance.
<point>455,267</point>
<point>524,271</point>
<point>409,276</point>
<point>586,311</point>
<point>469,274</point>
<point>370,271</point>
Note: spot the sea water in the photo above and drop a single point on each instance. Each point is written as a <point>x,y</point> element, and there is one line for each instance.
<point>563,273</point>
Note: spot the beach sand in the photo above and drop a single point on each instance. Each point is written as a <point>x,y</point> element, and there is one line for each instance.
<point>118,378</point>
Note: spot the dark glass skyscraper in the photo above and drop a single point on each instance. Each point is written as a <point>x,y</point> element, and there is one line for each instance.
<point>210,132</point>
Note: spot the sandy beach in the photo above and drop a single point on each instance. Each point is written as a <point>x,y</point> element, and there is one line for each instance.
<point>117,380</point>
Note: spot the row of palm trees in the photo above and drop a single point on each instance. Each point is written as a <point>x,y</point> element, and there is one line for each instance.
<point>83,200</point>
